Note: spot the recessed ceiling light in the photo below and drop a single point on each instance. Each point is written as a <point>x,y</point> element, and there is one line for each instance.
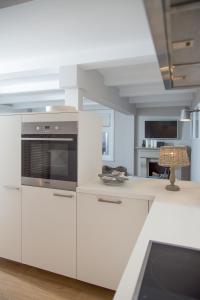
<point>178,77</point>
<point>182,44</point>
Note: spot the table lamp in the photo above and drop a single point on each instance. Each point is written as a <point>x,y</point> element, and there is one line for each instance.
<point>173,157</point>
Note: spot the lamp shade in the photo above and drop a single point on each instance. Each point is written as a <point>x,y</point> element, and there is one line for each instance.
<point>185,115</point>
<point>171,156</point>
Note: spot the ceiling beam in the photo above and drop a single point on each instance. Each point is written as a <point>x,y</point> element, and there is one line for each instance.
<point>35,105</point>
<point>29,79</point>
<point>131,80</point>
<point>54,95</point>
<point>162,98</point>
<point>29,74</point>
<point>151,89</point>
<point>92,84</point>
<point>163,104</point>
<point>132,75</point>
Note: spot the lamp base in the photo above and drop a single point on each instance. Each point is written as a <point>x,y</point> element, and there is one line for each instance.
<point>172,187</point>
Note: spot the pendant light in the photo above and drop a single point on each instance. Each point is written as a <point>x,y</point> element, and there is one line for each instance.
<point>186,114</point>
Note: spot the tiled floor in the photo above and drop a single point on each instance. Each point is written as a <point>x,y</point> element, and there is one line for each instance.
<point>20,282</point>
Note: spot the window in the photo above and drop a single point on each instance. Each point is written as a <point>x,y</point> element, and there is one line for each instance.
<point>107,134</point>
<point>107,116</point>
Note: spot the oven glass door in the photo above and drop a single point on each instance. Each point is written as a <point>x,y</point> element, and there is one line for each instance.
<point>51,158</point>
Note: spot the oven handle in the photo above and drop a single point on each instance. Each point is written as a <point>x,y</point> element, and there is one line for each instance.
<point>49,139</point>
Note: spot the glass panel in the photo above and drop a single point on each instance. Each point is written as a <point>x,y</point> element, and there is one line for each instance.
<point>108,136</point>
<point>55,160</point>
<point>105,143</point>
<point>107,118</point>
<point>59,164</point>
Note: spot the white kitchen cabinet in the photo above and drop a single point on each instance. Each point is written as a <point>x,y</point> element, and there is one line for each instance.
<point>49,229</point>
<point>10,223</point>
<point>107,229</point>
<point>10,181</point>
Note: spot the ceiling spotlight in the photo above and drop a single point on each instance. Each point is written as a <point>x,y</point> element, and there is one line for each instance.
<point>185,115</point>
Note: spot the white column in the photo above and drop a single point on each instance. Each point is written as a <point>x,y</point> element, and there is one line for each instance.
<point>70,81</point>
<point>74,98</point>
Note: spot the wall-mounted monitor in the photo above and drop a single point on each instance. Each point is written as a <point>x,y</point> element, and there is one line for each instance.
<point>161,130</point>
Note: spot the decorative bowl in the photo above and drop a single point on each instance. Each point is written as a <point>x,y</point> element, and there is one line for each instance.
<point>112,179</point>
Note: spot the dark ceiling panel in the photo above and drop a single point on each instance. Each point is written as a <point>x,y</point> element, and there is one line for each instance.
<point>175,30</point>
<point>180,2</point>
<point>7,3</point>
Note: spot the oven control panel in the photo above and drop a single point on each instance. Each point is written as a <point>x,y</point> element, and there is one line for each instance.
<point>69,127</point>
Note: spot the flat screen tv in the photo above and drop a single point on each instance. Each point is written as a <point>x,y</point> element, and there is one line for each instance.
<point>161,129</point>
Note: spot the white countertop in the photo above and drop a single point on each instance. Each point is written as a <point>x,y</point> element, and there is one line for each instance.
<point>174,218</point>
<point>133,188</point>
<point>140,188</point>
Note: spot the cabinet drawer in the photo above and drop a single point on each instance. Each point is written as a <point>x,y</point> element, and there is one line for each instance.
<point>49,230</point>
<point>107,229</point>
<point>10,182</point>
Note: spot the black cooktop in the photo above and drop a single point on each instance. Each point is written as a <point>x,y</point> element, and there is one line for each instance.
<point>169,272</point>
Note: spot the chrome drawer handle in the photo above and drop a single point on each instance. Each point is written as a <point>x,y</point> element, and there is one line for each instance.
<point>10,187</point>
<point>63,195</point>
<point>109,201</point>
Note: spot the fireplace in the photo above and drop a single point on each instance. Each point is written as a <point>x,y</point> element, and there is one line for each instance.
<point>147,165</point>
<point>157,171</point>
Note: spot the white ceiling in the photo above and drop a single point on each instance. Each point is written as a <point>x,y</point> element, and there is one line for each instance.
<point>111,36</point>
<point>72,31</point>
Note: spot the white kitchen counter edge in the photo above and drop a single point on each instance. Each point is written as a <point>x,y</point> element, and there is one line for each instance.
<point>130,189</point>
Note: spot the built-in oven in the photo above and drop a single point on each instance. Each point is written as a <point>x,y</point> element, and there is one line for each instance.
<point>49,154</point>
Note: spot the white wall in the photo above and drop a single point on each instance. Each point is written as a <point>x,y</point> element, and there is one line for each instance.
<point>162,114</point>
<point>165,113</point>
<point>123,142</point>
<point>195,157</point>
<point>195,160</point>
<point>52,33</point>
